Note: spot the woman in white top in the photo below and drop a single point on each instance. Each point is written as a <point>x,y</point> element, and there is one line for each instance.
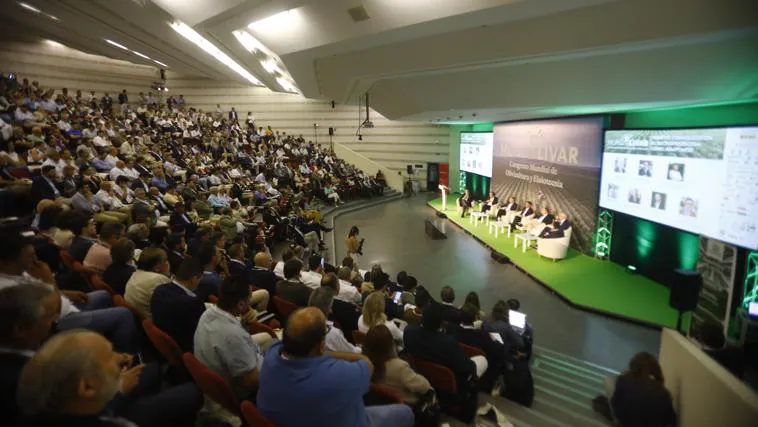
<point>373,314</point>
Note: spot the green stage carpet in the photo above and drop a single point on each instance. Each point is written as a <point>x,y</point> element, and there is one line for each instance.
<point>583,280</point>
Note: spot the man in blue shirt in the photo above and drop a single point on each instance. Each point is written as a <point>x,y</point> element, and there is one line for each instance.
<point>299,373</point>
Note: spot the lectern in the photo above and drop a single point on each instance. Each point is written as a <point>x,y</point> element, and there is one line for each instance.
<point>444,190</point>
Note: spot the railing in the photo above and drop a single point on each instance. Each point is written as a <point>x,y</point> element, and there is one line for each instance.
<point>369,166</point>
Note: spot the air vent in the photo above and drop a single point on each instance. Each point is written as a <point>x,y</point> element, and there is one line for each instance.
<point>359,14</point>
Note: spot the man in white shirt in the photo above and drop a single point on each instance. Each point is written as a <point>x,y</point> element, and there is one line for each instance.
<point>101,140</point>
<point>117,170</point>
<point>312,277</point>
<point>347,292</point>
<point>106,198</point>
<point>54,159</point>
<point>322,298</point>
<point>63,124</point>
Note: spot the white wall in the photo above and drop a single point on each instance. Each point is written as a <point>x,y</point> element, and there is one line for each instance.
<point>705,394</point>
<point>392,144</point>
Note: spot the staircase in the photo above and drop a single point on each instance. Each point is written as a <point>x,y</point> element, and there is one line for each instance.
<point>563,391</point>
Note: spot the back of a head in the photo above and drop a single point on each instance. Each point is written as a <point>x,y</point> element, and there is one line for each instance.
<point>287,255</point>
<point>645,365</point>
<point>314,262</point>
<point>344,273</point>
<point>174,240</point>
<point>206,255</point>
<point>50,381</point>
<point>447,294</point>
<point>122,252</point>
<point>262,260</point>
<point>380,280</point>
<point>379,347</point>
<point>22,308</point>
<point>401,276</point>
<point>330,281</point>
<point>322,298</point>
<point>49,216</point>
<point>110,230</point>
<point>409,283</point>
<point>13,244</point>
<point>150,258</point>
<point>348,262</point>
<point>232,291</point>
<point>514,304</point>
<point>473,299</point>
<point>423,298</point>
<point>304,333</point>
<point>500,311</point>
<point>432,320</point>
<point>236,251</point>
<point>373,309</point>
<point>74,220</point>
<point>188,270</point>
<point>292,269</point>
<point>468,314</point>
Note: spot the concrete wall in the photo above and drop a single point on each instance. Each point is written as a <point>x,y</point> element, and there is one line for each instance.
<point>705,394</point>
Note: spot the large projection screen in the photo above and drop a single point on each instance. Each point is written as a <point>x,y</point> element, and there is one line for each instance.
<point>476,153</point>
<point>555,164</point>
<point>704,181</point>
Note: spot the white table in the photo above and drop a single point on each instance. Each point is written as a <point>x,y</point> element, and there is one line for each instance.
<point>476,217</point>
<point>525,239</point>
<point>499,226</point>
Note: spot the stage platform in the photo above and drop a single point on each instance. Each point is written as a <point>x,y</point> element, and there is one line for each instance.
<point>582,281</point>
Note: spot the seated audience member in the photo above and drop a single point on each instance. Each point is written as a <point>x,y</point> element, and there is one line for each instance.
<point>259,298</point>
<point>262,277</point>
<point>287,255</point>
<point>46,186</point>
<point>222,343</point>
<point>312,277</point>
<point>374,314</point>
<point>389,369</point>
<point>348,292</point>
<point>473,299</point>
<point>343,312</point>
<point>176,248</point>
<point>551,231</point>
<point>99,255</point>
<point>639,397</point>
<point>152,271</point>
<point>410,284</point>
<point>468,334</point>
<point>181,222</point>
<point>297,373</point>
<point>713,342</point>
<point>451,315</point>
<point>176,309</point>
<point>199,239</point>
<point>209,257</point>
<point>428,342</point>
<point>76,379</point>
<point>291,288</point>
<point>29,313</point>
<point>498,323</point>
<point>85,202</point>
<point>78,309</point>
<point>322,298</point>
<point>85,233</point>
<point>122,266</point>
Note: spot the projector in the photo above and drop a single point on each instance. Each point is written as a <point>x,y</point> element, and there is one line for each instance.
<point>368,123</point>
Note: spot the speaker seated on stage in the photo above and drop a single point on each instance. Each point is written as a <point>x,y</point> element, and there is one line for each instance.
<point>464,203</point>
<point>489,203</point>
<point>563,222</point>
<point>509,208</point>
<point>553,242</point>
<point>552,231</point>
<point>523,215</point>
<point>535,225</point>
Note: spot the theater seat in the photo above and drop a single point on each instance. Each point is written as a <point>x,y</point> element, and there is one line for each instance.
<point>119,301</point>
<point>211,384</point>
<point>440,377</point>
<point>380,394</point>
<point>98,283</point>
<point>166,345</point>
<point>554,249</point>
<point>284,307</point>
<point>253,417</point>
<point>472,351</point>
<point>358,337</point>
<point>258,327</point>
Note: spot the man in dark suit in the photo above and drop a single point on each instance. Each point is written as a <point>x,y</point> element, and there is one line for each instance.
<point>85,233</point>
<point>45,186</point>
<point>489,202</point>
<point>563,222</point>
<point>291,288</point>
<point>510,205</point>
<point>233,115</point>
<point>552,231</point>
<point>468,334</point>
<point>175,249</point>
<point>180,222</point>
<point>538,223</point>
<point>237,265</point>
<point>261,275</point>
<point>208,257</point>
<point>175,307</point>
<point>201,237</point>
<point>121,269</point>
<point>143,182</point>
<point>427,342</point>
<point>451,316</point>
<point>20,336</point>
<point>527,211</point>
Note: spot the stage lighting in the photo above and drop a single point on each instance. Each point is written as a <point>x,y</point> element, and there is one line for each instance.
<point>631,269</point>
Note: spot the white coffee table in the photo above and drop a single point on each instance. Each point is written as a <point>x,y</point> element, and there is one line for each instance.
<point>476,218</point>
<point>499,227</point>
<point>525,239</point>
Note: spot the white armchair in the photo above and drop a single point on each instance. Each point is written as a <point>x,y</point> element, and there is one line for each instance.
<point>554,248</point>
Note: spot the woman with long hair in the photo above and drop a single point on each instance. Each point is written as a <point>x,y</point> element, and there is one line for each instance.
<point>391,370</point>
<point>354,244</point>
<point>373,315</point>
<point>473,299</point>
<point>638,397</point>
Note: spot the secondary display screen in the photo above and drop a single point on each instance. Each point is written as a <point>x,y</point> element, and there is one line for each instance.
<point>704,181</point>
<point>476,153</point>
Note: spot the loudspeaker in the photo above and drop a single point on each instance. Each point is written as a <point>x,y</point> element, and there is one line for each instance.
<point>331,131</point>
<point>410,169</point>
<point>432,230</point>
<point>441,215</point>
<point>685,291</point>
<point>502,259</point>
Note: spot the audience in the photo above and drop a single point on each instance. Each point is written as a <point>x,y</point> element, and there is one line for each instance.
<point>122,267</point>
<point>98,257</point>
<point>638,396</point>
<point>498,323</point>
<point>152,271</point>
<point>291,288</point>
<point>323,298</point>
<point>326,388</point>
<point>176,309</point>
<point>374,314</point>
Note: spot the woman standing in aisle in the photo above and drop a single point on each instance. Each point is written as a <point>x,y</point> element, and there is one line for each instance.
<point>354,245</point>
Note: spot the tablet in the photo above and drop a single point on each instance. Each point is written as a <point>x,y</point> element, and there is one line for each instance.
<point>517,319</point>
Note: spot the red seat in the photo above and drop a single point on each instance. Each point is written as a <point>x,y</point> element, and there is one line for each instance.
<point>211,384</point>
<point>284,307</point>
<point>75,265</point>
<point>258,328</point>
<point>440,377</point>
<point>472,351</point>
<point>21,173</point>
<point>99,284</point>
<point>166,345</point>
<point>358,337</point>
<point>380,394</point>
<point>119,301</point>
<point>253,416</point>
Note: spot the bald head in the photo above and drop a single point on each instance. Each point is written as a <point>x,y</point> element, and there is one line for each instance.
<point>305,333</point>
<point>75,372</point>
<point>263,260</point>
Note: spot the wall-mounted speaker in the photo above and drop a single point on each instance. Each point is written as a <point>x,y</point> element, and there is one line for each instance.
<point>685,290</point>
<point>331,131</point>
<point>410,169</point>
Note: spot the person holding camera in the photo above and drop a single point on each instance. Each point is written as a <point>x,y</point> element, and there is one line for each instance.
<point>354,245</point>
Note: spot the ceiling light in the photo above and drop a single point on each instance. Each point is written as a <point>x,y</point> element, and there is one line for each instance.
<point>29,7</point>
<point>141,55</point>
<point>53,43</point>
<point>112,43</point>
<point>271,66</point>
<point>53,17</point>
<point>160,63</point>
<point>276,22</point>
<point>287,85</point>
<point>250,43</point>
<point>187,32</point>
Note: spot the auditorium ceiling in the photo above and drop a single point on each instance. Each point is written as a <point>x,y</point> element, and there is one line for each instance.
<point>447,61</point>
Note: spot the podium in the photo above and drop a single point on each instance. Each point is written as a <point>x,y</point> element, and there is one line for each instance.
<point>444,190</point>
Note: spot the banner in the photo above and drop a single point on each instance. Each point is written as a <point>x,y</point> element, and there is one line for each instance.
<point>717,263</point>
<point>555,164</point>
